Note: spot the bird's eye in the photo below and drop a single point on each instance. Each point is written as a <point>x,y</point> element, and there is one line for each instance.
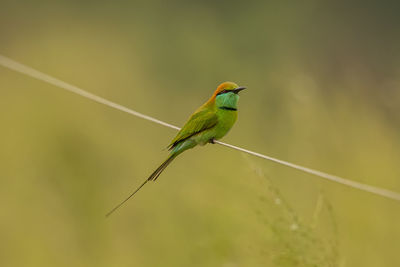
<point>223,92</point>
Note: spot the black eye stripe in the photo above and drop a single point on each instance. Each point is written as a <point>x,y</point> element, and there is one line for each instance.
<point>224,92</point>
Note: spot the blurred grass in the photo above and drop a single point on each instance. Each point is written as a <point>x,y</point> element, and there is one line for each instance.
<point>295,241</point>
<point>323,92</point>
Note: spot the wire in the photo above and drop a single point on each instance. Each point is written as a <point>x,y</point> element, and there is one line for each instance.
<point>334,178</point>
<point>18,67</point>
<point>21,68</point>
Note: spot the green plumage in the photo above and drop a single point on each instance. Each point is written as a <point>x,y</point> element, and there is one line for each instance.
<point>203,119</point>
<point>210,122</point>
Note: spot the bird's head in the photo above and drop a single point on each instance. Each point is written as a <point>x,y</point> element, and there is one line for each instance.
<point>228,87</point>
<point>226,96</point>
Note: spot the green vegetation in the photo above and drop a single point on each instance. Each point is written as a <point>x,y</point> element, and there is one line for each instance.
<point>294,240</point>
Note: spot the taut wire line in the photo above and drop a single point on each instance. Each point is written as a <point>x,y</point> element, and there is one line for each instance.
<point>21,68</point>
<point>18,67</point>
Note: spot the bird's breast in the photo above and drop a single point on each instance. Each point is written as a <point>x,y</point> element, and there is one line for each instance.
<point>226,119</point>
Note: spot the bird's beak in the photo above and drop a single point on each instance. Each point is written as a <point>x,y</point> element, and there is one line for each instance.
<point>237,90</point>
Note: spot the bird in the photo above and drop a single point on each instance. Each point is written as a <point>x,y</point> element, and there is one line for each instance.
<point>210,122</point>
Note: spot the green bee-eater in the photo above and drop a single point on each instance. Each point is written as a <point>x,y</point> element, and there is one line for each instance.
<point>209,122</point>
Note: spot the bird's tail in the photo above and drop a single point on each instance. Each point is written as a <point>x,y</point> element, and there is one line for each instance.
<point>162,167</point>
<point>152,177</point>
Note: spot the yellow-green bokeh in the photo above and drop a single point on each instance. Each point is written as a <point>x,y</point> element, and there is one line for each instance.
<point>323,91</point>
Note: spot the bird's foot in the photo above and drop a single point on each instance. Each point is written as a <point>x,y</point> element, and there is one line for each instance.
<point>212,141</point>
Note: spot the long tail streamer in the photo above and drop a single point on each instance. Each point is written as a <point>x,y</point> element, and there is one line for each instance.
<point>21,68</point>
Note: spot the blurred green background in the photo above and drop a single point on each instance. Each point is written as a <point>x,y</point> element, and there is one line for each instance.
<point>323,91</point>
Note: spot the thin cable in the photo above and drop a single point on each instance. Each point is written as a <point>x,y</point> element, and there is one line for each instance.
<point>334,178</point>
<point>18,67</point>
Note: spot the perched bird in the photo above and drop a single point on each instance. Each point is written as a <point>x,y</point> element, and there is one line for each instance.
<point>210,122</point>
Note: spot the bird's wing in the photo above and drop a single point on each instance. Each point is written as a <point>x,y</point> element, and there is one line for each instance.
<point>197,123</point>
